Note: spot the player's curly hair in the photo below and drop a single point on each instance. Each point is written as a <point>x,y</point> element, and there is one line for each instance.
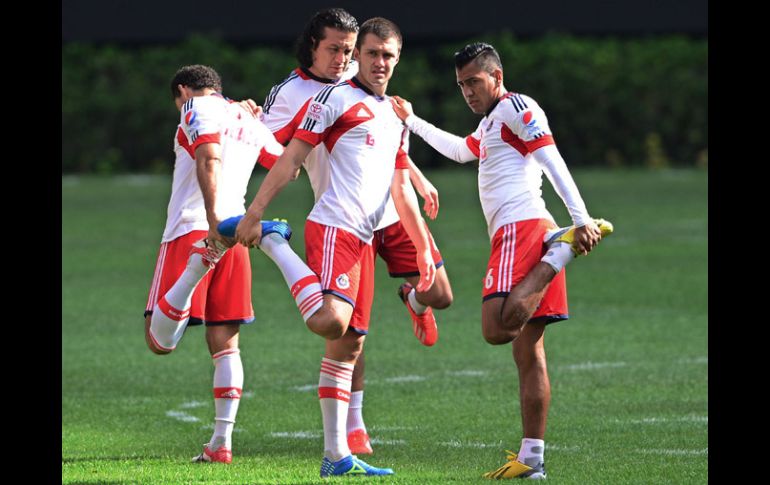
<point>334,18</point>
<point>484,54</point>
<point>196,76</point>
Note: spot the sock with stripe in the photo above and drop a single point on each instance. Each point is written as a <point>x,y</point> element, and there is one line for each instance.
<point>418,307</point>
<point>172,312</point>
<point>228,387</point>
<point>355,415</point>
<point>303,283</point>
<point>558,255</point>
<point>531,452</point>
<point>334,395</point>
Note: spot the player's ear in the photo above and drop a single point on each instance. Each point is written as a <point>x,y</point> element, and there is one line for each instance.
<point>356,54</point>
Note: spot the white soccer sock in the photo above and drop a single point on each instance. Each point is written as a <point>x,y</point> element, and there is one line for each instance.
<point>228,387</point>
<point>172,312</point>
<point>418,307</point>
<point>304,285</point>
<point>531,451</point>
<point>334,395</point>
<point>355,416</point>
<point>558,255</point>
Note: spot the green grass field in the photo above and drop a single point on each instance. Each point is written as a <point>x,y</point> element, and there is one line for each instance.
<point>629,370</point>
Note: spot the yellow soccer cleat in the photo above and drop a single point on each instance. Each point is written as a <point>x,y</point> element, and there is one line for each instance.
<point>511,469</point>
<point>567,234</point>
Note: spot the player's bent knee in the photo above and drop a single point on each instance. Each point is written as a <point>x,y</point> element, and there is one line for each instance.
<point>495,335</point>
<point>330,328</point>
<point>498,338</point>
<point>443,301</point>
<point>154,347</point>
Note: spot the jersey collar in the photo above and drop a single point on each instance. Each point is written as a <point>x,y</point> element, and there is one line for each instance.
<point>354,81</point>
<point>306,74</point>
<point>497,101</point>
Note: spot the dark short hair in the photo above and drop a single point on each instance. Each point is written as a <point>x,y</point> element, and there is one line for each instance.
<point>382,28</point>
<point>196,77</point>
<point>334,18</point>
<point>484,54</point>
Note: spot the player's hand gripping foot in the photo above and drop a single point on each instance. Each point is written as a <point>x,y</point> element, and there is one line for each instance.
<point>210,253</point>
<point>276,226</point>
<point>423,326</point>
<point>567,234</point>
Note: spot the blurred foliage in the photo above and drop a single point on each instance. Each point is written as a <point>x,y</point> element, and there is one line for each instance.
<point>610,101</point>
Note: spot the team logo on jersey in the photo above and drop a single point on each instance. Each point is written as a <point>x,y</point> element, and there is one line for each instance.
<point>527,118</point>
<point>314,111</point>
<point>343,282</point>
<point>190,118</point>
<point>369,139</point>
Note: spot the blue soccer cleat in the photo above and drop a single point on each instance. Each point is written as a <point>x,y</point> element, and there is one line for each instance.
<point>227,227</point>
<point>350,465</point>
<point>277,226</point>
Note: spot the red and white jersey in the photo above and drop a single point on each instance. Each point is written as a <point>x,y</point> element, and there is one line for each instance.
<point>510,179</point>
<point>285,107</point>
<point>186,212</point>
<point>244,141</point>
<point>515,147</point>
<point>364,142</point>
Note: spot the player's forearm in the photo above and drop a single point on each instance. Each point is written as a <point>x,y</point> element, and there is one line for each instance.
<point>275,180</point>
<point>207,170</point>
<point>416,176</point>
<point>281,174</point>
<point>408,210</point>
<point>558,174</point>
<point>449,145</point>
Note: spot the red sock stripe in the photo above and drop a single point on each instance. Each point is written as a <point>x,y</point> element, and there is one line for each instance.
<point>336,370</point>
<point>171,312</point>
<point>227,392</point>
<point>333,393</point>
<point>225,352</point>
<point>302,284</point>
<point>336,365</point>
<point>310,302</point>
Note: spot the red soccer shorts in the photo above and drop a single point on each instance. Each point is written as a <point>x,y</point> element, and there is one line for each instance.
<point>392,243</point>
<point>345,266</point>
<point>222,296</point>
<point>516,249</point>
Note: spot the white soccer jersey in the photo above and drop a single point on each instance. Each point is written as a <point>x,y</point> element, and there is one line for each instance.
<point>185,211</point>
<point>244,141</point>
<point>510,177</point>
<point>285,107</point>
<point>364,142</point>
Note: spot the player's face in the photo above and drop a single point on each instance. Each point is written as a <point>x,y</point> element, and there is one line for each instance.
<point>377,58</point>
<point>331,57</point>
<point>479,88</point>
